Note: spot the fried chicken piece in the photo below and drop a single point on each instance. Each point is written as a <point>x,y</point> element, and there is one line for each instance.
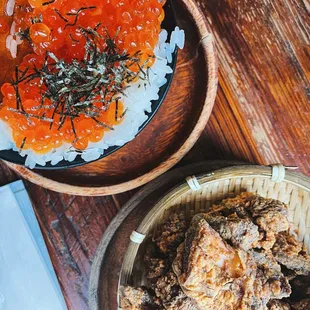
<point>135,299</point>
<point>278,305</point>
<point>267,240</point>
<point>236,205</point>
<point>209,271</point>
<point>268,214</point>
<point>269,288</point>
<point>301,305</point>
<point>271,217</point>
<point>156,268</point>
<point>167,287</point>
<point>270,281</point>
<point>155,264</point>
<point>170,295</point>
<point>291,253</point>
<point>172,234</point>
<point>242,233</point>
<point>179,303</point>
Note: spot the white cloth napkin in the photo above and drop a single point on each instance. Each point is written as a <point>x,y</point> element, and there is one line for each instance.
<point>27,278</point>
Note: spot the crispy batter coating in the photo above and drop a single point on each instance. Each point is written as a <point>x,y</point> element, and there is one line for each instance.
<point>180,303</point>
<point>269,215</point>
<point>172,234</point>
<point>156,267</point>
<point>278,305</point>
<point>170,295</point>
<point>242,233</point>
<point>301,305</point>
<point>236,205</point>
<point>212,273</point>
<point>167,287</point>
<point>290,253</point>
<point>135,299</point>
<point>270,281</point>
<point>155,263</point>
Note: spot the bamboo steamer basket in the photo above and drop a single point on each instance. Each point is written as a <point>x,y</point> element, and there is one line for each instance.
<point>197,193</point>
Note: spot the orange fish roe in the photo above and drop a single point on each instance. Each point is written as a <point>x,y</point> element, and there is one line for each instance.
<point>4,27</point>
<point>136,23</point>
<point>57,27</point>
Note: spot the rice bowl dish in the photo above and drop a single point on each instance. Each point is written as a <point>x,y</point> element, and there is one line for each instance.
<point>80,121</point>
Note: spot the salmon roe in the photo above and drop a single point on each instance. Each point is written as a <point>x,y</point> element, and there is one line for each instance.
<point>39,33</point>
<point>55,26</point>
<point>4,27</point>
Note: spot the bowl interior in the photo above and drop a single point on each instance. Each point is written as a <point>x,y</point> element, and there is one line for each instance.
<point>169,24</point>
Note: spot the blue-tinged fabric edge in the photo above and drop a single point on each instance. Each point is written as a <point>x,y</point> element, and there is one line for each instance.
<point>22,198</point>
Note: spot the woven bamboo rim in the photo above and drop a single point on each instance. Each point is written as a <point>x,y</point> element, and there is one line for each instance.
<point>292,188</point>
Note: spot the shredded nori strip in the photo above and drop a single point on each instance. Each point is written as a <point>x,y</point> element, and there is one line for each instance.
<point>102,124</point>
<point>18,99</point>
<point>77,14</point>
<point>31,115</point>
<point>73,128</point>
<point>123,114</point>
<point>97,26</point>
<point>71,37</point>
<point>59,14</point>
<point>23,73</point>
<point>116,109</point>
<point>23,144</point>
<point>48,2</point>
<point>24,34</point>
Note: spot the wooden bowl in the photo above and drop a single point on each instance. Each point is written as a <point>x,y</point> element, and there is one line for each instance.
<point>294,190</point>
<point>169,136</point>
<point>169,24</point>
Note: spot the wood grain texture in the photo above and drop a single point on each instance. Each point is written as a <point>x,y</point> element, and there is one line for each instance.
<point>261,115</point>
<point>6,175</point>
<point>263,50</point>
<point>170,135</point>
<point>72,227</point>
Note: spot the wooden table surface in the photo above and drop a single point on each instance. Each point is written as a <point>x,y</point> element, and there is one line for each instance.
<point>261,115</point>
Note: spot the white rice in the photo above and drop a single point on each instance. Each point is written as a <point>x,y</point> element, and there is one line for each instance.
<point>8,41</point>
<point>137,101</point>
<point>12,30</point>
<point>10,7</point>
<point>12,40</point>
<point>13,48</point>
